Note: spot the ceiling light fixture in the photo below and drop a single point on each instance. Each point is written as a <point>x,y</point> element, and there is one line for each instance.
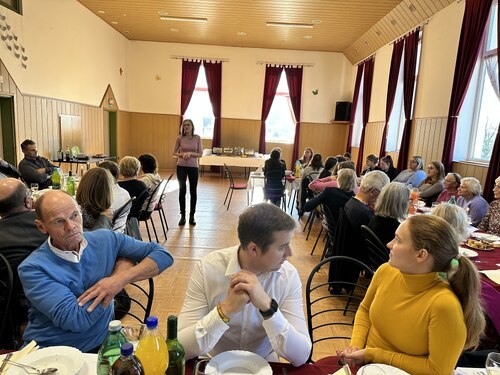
<point>316,21</point>
<point>241,33</point>
<point>114,22</point>
<point>286,24</point>
<point>173,29</point>
<point>183,19</point>
<point>307,37</point>
<point>101,11</point>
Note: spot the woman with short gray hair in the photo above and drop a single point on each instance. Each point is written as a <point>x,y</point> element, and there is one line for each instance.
<point>455,215</point>
<point>470,199</point>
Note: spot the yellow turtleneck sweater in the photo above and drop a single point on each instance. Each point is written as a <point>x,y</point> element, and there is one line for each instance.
<point>413,322</point>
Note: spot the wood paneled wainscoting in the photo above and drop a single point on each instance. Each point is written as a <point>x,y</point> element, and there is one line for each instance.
<point>468,169</point>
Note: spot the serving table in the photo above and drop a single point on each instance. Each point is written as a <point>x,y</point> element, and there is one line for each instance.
<point>88,162</point>
<point>232,161</point>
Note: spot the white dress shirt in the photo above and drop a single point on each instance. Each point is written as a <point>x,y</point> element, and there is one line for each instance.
<point>202,331</point>
<point>120,197</point>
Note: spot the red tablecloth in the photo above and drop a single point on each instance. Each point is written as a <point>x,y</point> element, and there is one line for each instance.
<point>487,260</point>
<point>322,367</point>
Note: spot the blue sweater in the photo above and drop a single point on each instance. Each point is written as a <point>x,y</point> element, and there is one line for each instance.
<point>52,285</point>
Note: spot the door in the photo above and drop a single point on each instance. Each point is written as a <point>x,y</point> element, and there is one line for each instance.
<point>8,146</point>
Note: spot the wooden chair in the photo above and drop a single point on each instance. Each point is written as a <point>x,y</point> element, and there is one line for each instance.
<point>274,188</point>
<point>159,208</point>
<point>138,298</point>
<point>6,294</point>
<point>232,186</point>
<point>330,311</point>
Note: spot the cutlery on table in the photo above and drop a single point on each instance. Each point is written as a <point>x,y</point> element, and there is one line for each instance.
<point>49,370</point>
<point>4,362</point>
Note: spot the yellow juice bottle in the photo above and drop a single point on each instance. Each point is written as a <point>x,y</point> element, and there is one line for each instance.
<point>152,349</point>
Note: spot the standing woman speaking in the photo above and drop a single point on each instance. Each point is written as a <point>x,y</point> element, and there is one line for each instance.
<point>187,149</point>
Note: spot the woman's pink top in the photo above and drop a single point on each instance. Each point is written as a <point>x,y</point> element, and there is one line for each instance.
<point>321,184</point>
<point>446,195</point>
<point>184,144</point>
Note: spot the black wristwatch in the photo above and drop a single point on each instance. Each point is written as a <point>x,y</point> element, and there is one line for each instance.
<point>271,311</point>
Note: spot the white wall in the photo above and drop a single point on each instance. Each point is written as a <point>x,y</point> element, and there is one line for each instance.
<point>242,79</point>
<point>73,55</point>
<point>379,85</point>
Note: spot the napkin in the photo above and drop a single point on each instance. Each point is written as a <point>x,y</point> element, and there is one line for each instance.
<point>493,275</point>
<point>17,356</point>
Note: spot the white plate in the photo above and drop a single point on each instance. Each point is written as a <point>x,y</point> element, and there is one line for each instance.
<point>467,252</point>
<point>239,362</point>
<point>378,368</point>
<point>485,236</point>
<point>67,360</point>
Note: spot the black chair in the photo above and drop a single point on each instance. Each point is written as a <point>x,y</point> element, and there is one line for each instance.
<point>145,214</point>
<point>159,207</point>
<point>6,294</point>
<point>330,313</point>
<point>232,186</point>
<point>142,301</point>
<point>274,188</point>
<point>378,254</point>
<point>120,216</point>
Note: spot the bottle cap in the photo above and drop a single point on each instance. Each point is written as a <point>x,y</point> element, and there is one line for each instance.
<point>152,322</point>
<point>115,325</point>
<point>126,349</point>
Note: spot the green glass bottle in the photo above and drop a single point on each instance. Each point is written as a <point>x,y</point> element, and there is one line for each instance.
<point>70,184</point>
<point>56,178</point>
<point>176,353</point>
<point>109,351</point>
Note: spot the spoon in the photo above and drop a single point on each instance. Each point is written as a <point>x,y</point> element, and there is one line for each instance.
<point>49,370</point>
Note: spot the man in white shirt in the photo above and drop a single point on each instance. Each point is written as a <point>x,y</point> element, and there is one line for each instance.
<point>120,195</point>
<point>248,297</point>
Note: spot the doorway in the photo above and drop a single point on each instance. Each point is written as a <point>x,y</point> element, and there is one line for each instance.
<point>7,135</point>
<point>109,122</point>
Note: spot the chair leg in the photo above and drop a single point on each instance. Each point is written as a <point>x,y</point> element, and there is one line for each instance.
<point>227,195</point>
<point>317,239</point>
<point>154,229</point>
<point>307,222</point>
<point>162,224</point>
<point>147,228</point>
<point>313,214</point>
<point>292,199</point>
<point>164,218</point>
<point>230,197</point>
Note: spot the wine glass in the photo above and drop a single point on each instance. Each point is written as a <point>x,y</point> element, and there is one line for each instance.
<point>202,368</point>
<point>493,364</point>
<point>133,333</point>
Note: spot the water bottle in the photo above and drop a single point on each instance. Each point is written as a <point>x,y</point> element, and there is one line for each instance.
<point>452,200</point>
<point>176,353</point>
<point>70,184</point>
<point>67,154</point>
<point>56,178</point>
<point>109,351</point>
<point>128,363</point>
<point>152,349</point>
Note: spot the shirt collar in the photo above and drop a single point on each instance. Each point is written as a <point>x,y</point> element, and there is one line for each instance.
<point>70,256</point>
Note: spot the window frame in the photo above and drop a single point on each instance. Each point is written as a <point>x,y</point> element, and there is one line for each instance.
<point>16,6</point>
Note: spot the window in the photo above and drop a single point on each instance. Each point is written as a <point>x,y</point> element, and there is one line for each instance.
<point>358,116</point>
<point>486,115</point>
<point>280,124</point>
<point>200,108</point>
<point>15,5</point>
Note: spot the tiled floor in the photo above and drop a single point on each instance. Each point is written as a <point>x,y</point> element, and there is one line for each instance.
<point>216,229</point>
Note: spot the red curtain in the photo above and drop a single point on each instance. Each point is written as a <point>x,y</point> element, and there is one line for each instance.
<point>294,80</point>
<point>213,72</point>
<point>493,170</point>
<point>354,106</point>
<point>367,94</point>
<point>473,25</point>
<point>410,66</point>
<point>397,54</point>
<point>190,71</point>
<point>273,75</point>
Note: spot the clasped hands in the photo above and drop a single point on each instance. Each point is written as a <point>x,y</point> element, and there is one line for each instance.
<point>352,356</point>
<point>186,155</point>
<point>244,287</point>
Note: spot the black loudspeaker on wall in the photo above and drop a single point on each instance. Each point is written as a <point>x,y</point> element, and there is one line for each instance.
<point>343,111</point>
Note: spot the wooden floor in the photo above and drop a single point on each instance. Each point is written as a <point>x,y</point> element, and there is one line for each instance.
<point>216,229</point>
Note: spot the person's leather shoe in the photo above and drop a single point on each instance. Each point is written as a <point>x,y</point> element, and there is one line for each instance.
<point>192,221</point>
<point>182,221</point>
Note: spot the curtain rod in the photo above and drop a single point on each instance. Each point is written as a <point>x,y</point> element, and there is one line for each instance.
<point>195,58</point>
<point>307,65</point>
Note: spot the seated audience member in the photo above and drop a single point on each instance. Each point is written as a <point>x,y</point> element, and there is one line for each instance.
<point>470,199</point>
<point>8,170</point>
<point>432,295</point>
<point>414,174</point>
<point>387,165</point>
<point>491,222</point>
<point>371,164</point>
<point>335,198</point>
<point>455,216</point>
<point>320,184</point>
<point>347,156</point>
<point>129,170</point>
<point>330,164</point>
<point>248,296</point>
<point>391,209</point>
<point>274,172</point>
<point>149,168</point>
<point>430,188</point>
<point>34,168</point>
<point>306,158</point>
<point>340,159</point>
<point>94,195</point>
<point>71,295</point>
<point>311,172</point>
<point>281,153</point>
<point>120,195</point>
<point>450,183</point>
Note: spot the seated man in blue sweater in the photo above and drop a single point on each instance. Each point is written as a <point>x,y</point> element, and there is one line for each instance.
<point>72,278</point>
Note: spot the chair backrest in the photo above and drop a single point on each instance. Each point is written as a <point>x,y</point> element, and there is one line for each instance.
<point>229,175</point>
<point>6,289</point>
<point>139,299</point>
<point>331,305</point>
<point>275,179</point>
<point>153,199</point>
<point>162,195</point>
<point>377,252</point>
<point>120,216</point>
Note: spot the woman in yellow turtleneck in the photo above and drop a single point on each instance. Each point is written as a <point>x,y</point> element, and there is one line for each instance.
<point>422,308</point>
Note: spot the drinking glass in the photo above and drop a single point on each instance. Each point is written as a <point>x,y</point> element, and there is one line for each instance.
<point>133,333</point>
<point>493,364</point>
<point>202,369</point>
<point>34,187</point>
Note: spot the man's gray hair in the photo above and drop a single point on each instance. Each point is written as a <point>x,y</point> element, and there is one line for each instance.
<point>473,184</point>
<point>258,224</point>
<point>347,179</point>
<point>393,201</point>
<point>374,180</point>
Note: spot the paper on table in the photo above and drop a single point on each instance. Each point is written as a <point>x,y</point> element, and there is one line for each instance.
<point>493,275</point>
<point>345,370</point>
<point>30,348</point>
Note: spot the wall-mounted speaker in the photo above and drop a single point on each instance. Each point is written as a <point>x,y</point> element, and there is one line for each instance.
<point>343,111</point>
